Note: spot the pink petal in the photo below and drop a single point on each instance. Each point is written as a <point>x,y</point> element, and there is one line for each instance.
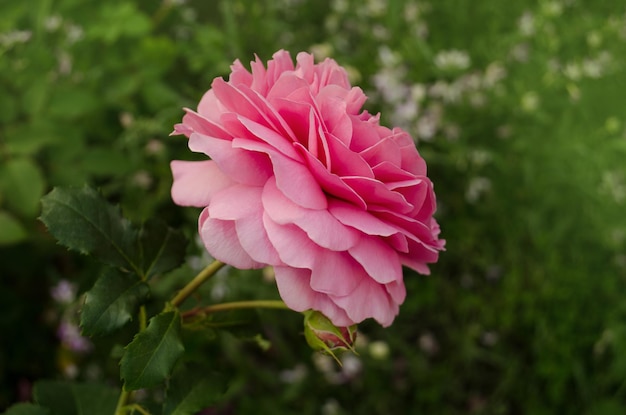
<point>336,273</point>
<point>221,241</point>
<point>359,218</point>
<point>254,240</point>
<point>295,290</point>
<point>245,167</point>
<point>210,107</point>
<point>235,101</point>
<point>367,132</point>
<point>380,261</point>
<point>259,83</point>
<point>280,64</point>
<point>200,124</point>
<point>239,74</point>
<point>320,226</point>
<point>297,183</point>
<point>376,194</point>
<point>369,300</point>
<point>330,182</point>
<point>294,247</point>
<point>387,172</point>
<point>281,143</point>
<point>346,162</point>
<point>397,291</point>
<point>236,202</point>
<point>270,114</point>
<point>336,121</point>
<point>353,97</point>
<point>292,177</point>
<point>385,150</point>
<point>196,181</point>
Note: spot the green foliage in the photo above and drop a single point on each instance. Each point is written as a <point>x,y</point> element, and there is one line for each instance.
<point>191,389</point>
<point>11,231</point>
<point>21,186</point>
<point>112,302</point>
<point>66,398</point>
<point>161,247</point>
<point>152,354</point>
<point>82,220</point>
<point>27,409</point>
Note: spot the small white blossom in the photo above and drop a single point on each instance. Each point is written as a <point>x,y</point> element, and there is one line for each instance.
<point>379,350</point>
<point>526,24</point>
<point>52,23</point>
<point>530,101</point>
<point>452,60</point>
<point>478,186</point>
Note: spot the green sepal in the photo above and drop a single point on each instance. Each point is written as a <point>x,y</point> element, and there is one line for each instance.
<point>112,302</point>
<point>152,354</point>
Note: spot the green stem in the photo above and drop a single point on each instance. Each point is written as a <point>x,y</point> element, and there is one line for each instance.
<point>198,280</point>
<point>237,305</point>
<point>142,318</point>
<point>121,402</point>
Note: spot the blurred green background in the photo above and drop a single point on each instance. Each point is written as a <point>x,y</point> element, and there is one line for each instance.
<point>518,108</point>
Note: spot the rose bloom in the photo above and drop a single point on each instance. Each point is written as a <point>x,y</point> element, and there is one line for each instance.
<point>300,178</point>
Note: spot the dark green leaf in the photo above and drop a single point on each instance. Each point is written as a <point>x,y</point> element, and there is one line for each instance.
<point>152,354</point>
<point>68,398</point>
<point>22,185</point>
<point>112,302</point>
<point>11,230</point>
<point>190,391</point>
<point>162,248</point>
<point>27,409</point>
<point>81,219</point>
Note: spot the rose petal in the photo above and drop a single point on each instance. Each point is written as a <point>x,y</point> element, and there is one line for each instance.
<point>254,240</point>
<point>335,273</point>
<point>359,218</point>
<point>320,226</point>
<point>245,167</point>
<point>376,194</point>
<point>295,290</point>
<point>236,202</point>
<point>196,181</point>
<point>380,261</point>
<point>294,247</point>
<point>221,241</point>
<point>369,299</point>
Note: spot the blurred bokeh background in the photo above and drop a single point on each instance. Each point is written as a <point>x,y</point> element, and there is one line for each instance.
<point>519,109</point>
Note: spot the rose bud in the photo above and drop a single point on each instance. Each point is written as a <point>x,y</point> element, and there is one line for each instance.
<point>322,335</point>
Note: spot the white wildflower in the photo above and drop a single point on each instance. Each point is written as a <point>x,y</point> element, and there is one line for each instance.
<point>452,60</point>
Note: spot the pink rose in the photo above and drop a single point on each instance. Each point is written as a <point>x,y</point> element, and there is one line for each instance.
<point>302,179</point>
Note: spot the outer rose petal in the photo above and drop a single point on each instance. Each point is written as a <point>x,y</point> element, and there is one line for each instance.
<point>295,289</point>
<point>221,240</point>
<point>196,181</point>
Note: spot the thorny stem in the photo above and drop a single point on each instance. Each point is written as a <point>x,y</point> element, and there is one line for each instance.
<point>236,305</point>
<point>198,280</point>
